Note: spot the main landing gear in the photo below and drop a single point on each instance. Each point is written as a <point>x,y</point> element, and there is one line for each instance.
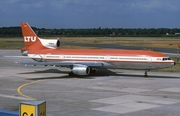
<point>93,70</point>
<point>71,74</point>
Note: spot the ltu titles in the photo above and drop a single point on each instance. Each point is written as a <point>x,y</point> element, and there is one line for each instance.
<point>29,38</point>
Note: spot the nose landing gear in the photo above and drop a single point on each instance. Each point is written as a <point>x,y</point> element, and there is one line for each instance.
<point>145,73</point>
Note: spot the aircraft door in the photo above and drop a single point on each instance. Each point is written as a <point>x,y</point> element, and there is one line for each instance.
<point>107,58</point>
<point>61,57</point>
<point>149,62</point>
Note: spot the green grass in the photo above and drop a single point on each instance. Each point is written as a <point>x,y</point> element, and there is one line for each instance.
<point>11,45</point>
<point>161,42</point>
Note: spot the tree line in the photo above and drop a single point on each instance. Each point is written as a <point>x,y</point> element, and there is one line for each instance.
<point>93,32</point>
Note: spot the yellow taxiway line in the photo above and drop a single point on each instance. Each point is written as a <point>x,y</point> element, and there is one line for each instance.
<point>20,87</point>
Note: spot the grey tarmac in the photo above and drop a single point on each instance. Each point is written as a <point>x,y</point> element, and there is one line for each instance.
<point>106,93</point>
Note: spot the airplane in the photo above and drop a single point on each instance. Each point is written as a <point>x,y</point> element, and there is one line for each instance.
<point>83,62</point>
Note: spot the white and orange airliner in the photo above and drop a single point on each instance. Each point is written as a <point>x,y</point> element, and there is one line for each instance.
<point>85,61</point>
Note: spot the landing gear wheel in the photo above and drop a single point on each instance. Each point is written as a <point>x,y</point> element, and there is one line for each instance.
<point>71,74</point>
<point>92,71</point>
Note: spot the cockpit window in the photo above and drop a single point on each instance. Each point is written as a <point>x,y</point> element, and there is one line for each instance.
<point>166,59</point>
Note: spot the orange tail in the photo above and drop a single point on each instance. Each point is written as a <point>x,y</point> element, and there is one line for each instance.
<point>32,43</point>
<point>31,40</point>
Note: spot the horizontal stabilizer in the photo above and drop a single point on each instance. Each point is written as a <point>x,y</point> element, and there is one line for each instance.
<point>17,57</point>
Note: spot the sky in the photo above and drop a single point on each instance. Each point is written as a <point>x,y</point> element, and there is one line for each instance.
<point>91,13</point>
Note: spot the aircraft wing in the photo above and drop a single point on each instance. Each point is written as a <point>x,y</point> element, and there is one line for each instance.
<point>66,64</point>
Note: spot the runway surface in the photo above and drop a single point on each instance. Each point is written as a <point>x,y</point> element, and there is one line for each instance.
<point>107,93</point>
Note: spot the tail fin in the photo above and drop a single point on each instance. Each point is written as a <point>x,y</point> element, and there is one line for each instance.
<point>31,40</point>
<point>29,35</point>
<point>32,43</point>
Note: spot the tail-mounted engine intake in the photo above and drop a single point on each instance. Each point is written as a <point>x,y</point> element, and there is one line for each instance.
<point>50,43</point>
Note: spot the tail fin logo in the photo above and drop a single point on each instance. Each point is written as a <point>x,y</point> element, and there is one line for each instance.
<point>29,38</point>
